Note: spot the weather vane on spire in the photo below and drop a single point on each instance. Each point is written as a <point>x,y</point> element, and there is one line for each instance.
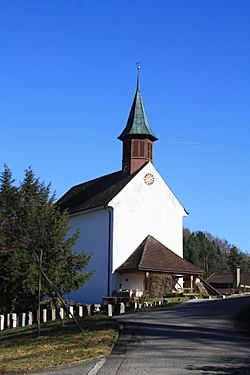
<point>138,64</point>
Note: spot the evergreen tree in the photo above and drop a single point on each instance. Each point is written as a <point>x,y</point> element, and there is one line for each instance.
<point>213,254</point>
<point>237,258</point>
<point>9,265</point>
<point>33,226</point>
<point>191,248</point>
<point>199,250</point>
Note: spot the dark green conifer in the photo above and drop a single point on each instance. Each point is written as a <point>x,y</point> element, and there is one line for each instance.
<point>31,225</point>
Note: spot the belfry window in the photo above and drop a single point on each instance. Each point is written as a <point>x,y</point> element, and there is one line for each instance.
<point>150,151</point>
<point>135,148</point>
<point>142,149</point>
<point>138,149</point>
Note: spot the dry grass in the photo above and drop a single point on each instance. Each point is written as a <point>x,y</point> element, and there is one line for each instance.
<point>22,350</point>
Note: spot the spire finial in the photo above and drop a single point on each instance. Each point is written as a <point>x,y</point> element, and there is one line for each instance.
<point>138,64</point>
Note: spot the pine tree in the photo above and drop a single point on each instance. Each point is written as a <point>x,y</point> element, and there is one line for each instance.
<point>237,258</point>
<point>39,228</point>
<point>213,254</point>
<point>9,264</point>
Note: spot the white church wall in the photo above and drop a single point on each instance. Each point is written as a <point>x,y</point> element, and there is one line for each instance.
<point>93,238</point>
<point>141,209</point>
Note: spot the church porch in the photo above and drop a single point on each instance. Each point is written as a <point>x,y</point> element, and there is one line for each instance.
<point>154,269</point>
<point>155,283</point>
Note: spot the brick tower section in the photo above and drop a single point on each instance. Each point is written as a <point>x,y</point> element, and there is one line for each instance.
<point>136,152</point>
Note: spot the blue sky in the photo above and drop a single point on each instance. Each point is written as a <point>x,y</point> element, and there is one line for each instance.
<point>68,77</point>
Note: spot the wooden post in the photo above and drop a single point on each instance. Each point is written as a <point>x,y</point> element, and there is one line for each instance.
<point>122,308</point>
<point>53,314</point>
<point>110,310</point>
<point>14,320</point>
<point>23,319</point>
<point>71,310</point>
<point>146,281</point>
<point>8,321</point>
<point>1,322</point>
<point>44,315</point>
<point>61,312</point>
<point>89,310</point>
<point>191,283</point>
<point>30,318</point>
<point>80,311</point>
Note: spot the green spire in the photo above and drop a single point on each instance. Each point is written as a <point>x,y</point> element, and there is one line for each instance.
<point>137,123</point>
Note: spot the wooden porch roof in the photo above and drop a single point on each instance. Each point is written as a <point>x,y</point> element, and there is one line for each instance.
<point>152,255</point>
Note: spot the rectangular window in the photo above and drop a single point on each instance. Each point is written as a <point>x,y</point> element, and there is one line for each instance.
<point>142,149</point>
<point>150,151</point>
<point>135,148</point>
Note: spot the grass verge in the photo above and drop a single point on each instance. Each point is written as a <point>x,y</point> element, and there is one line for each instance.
<point>21,350</point>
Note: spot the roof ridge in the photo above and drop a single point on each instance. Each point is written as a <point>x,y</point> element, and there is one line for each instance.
<point>144,248</point>
<point>152,255</point>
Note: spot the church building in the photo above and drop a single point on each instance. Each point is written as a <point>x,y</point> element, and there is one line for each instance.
<point>129,220</point>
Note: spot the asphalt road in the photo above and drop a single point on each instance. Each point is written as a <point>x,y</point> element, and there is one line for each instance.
<point>192,338</point>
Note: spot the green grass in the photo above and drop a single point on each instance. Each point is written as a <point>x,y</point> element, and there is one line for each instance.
<point>177,300</point>
<point>22,350</point>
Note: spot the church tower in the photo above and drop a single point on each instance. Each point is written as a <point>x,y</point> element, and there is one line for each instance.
<point>137,137</point>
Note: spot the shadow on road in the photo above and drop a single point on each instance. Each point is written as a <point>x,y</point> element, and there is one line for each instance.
<point>223,370</point>
<point>197,334</point>
<point>204,341</point>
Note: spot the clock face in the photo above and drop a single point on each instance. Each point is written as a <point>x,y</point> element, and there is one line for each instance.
<point>149,179</point>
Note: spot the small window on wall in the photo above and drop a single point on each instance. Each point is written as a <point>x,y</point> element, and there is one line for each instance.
<point>135,148</point>
<point>150,151</point>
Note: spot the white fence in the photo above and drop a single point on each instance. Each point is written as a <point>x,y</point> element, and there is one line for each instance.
<point>23,319</point>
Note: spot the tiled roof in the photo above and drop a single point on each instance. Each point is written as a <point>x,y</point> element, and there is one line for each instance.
<point>94,193</point>
<point>227,278</point>
<point>151,255</point>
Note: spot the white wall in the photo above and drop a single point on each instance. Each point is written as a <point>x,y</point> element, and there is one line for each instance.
<point>141,209</point>
<point>132,281</point>
<point>93,238</point>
